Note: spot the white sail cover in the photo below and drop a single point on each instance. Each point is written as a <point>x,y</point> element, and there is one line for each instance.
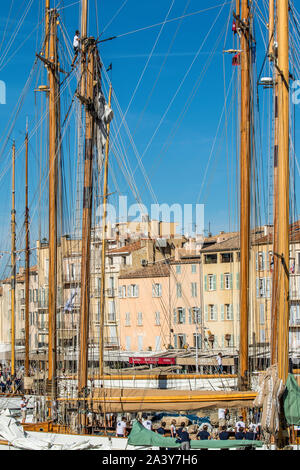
<point>14,433</point>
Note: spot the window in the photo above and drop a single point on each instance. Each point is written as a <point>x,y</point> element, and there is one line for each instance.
<point>122,292</point>
<point>211,282</point>
<point>157,318</point>
<point>194,268</point>
<point>180,315</point>
<point>195,315</point>
<point>197,340</point>
<point>178,290</point>
<point>211,259</point>
<point>260,287</point>
<point>127,319</point>
<point>140,343</point>
<point>111,311</point>
<point>260,261</point>
<point>178,269</point>
<point>157,343</point>
<point>212,312</point>
<point>226,257</point>
<point>228,281</point>
<point>133,290</point>
<point>156,290</point>
<point>140,319</point>
<point>228,312</point>
<point>194,289</point>
<point>128,343</point>
<point>262,336</point>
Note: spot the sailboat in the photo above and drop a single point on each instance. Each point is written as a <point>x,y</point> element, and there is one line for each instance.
<point>86,399</point>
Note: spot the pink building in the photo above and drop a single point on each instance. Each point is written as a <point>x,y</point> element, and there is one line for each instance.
<point>160,306</point>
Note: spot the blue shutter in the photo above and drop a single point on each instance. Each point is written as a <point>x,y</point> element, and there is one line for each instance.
<point>183,315</point>
<point>175,316</point>
<point>175,341</point>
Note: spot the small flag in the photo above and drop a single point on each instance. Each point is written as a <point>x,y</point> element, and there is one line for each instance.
<point>236,60</point>
<point>109,68</point>
<point>234,27</point>
<point>292,268</point>
<point>272,264</point>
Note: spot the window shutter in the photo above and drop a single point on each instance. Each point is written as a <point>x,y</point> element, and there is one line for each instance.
<point>222,312</point>
<point>263,260</point>
<point>231,283</point>
<point>206,312</point>
<point>231,311</point>
<point>190,316</point>
<point>222,281</point>
<point>262,314</point>
<point>214,282</point>
<point>216,312</point>
<point>205,282</point>
<point>257,288</point>
<point>137,291</point>
<point>184,339</point>
<point>175,341</point>
<point>268,287</point>
<point>175,316</point>
<point>183,315</point>
<point>256,257</point>
<point>237,280</point>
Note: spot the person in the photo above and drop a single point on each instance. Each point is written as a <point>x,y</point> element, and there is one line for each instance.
<point>240,423</point>
<point>224,434</point>
<point>220,363</point>
<point>23,407</point>
<point>239,435</point>
<point>173,428</point>
<point>204,434</point>
<point>222,416</point>
<point>147,423</point>
<point>250,435</point>
<point>121,430</point>
<point>76,41</point>
<point>184,440</point>
<point>179,430</point>
<point>162,429</point>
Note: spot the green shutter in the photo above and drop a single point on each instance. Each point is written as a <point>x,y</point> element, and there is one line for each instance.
<point>214,282</point>
<point>190,316</point>
<point>205,282</point>
<point>237,280</point>
<point>231,311</point>
<point>183,315</point>
<point>206,312</point>
<point>222,281</point>
<point>175,316</point>
<point>231,283</point>
<point>222,312</point>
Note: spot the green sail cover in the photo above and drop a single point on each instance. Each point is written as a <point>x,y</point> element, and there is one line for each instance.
<point>141,436</point>
<point>291,401</point>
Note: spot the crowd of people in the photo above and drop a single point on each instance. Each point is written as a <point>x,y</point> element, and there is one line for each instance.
<point>238,431</point>
<point>9,382</point>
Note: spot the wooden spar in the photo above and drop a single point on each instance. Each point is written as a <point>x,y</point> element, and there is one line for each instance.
<point>13,263</point>
<point>84,16</point>
<point>245,154</point>
<point>274,304</point>
<point>86,225</point>
<point>283,187</point>
<point>47,11</point>
<point>104,228</point>
<point>237,7</point>
<point>27,254</point>
<point>53,155</point>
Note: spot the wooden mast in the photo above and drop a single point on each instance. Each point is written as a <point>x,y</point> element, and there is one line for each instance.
<point>283,188</point>
<point>245,154</point>
<point>274,304</point>
<point>13,263</point>
<point>53,149</point>
<point>87,91</point>
<point>104,228</point>
<point>27,254</point>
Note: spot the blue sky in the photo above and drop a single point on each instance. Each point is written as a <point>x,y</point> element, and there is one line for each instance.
<point>199,164</point>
